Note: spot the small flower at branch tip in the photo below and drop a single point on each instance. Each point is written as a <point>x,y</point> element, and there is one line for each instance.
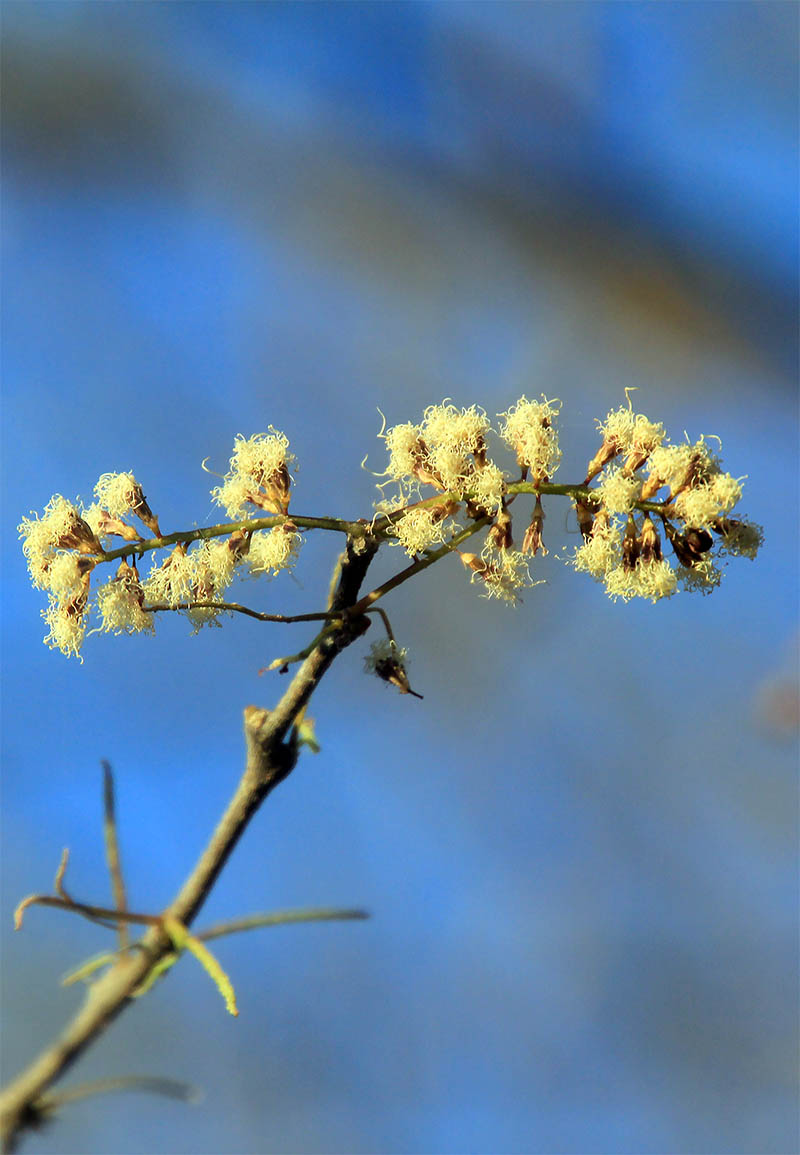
<point>233,495</point>
<point>455,445</point>
<point>649,541</point>
<point>462,430</point>
<point>646,436</point>
<point>388,662</point>
<point>739,537</point>
<point>408,453</point>
<point>702,577</point>
<point>209,570</point>
<point>679,467</point>
<point>617,431</point>
<point>60,527</point>
<point>216,561</point>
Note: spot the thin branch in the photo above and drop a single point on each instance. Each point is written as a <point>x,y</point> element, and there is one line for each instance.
<point>112,853</point>
<point>58,883</point>
<point>272,750</point>
<point>582,493</point>
<point>354,529</point>
<point>387,624</point>
<point>416,567</point>
<point>64,899</point>
<point>283,663</point>
<point>279,918</point>
<point>105,915</point>
<point>231,926</point>
<point>235,607</point>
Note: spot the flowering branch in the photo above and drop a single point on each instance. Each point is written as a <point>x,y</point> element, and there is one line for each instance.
<point>634,476</point>
<point>639,495</point>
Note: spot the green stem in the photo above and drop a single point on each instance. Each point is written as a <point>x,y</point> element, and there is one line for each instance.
<point>247,524</point>
<point>380,527</point>
<point>236,607</point>
<point>581,493</point>
<point>416,567</point>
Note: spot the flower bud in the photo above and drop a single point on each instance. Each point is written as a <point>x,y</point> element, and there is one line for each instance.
<point>142,510</point>
<point>78,534</point>
<point>649,542</point>
<point>532,542</point>
<point>585,515</point>
<point>500,532</point>
<point>631,548</point>
<point>607,452</point>
<point>689,546</point>
<point>387,661</point>
<point>106,525</point>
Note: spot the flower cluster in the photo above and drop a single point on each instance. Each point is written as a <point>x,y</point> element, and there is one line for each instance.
<point>448,451</point>
<point>641,497</point>
<point>420,527</point>
<point>682,487</point>
<point>638,490</point>
<point>62,548</point>
<point>65,545</point>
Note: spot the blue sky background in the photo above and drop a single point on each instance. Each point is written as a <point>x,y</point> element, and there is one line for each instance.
<point>580,849</point>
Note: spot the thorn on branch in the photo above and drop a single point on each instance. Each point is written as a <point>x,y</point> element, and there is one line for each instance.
<point>58,882</point>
